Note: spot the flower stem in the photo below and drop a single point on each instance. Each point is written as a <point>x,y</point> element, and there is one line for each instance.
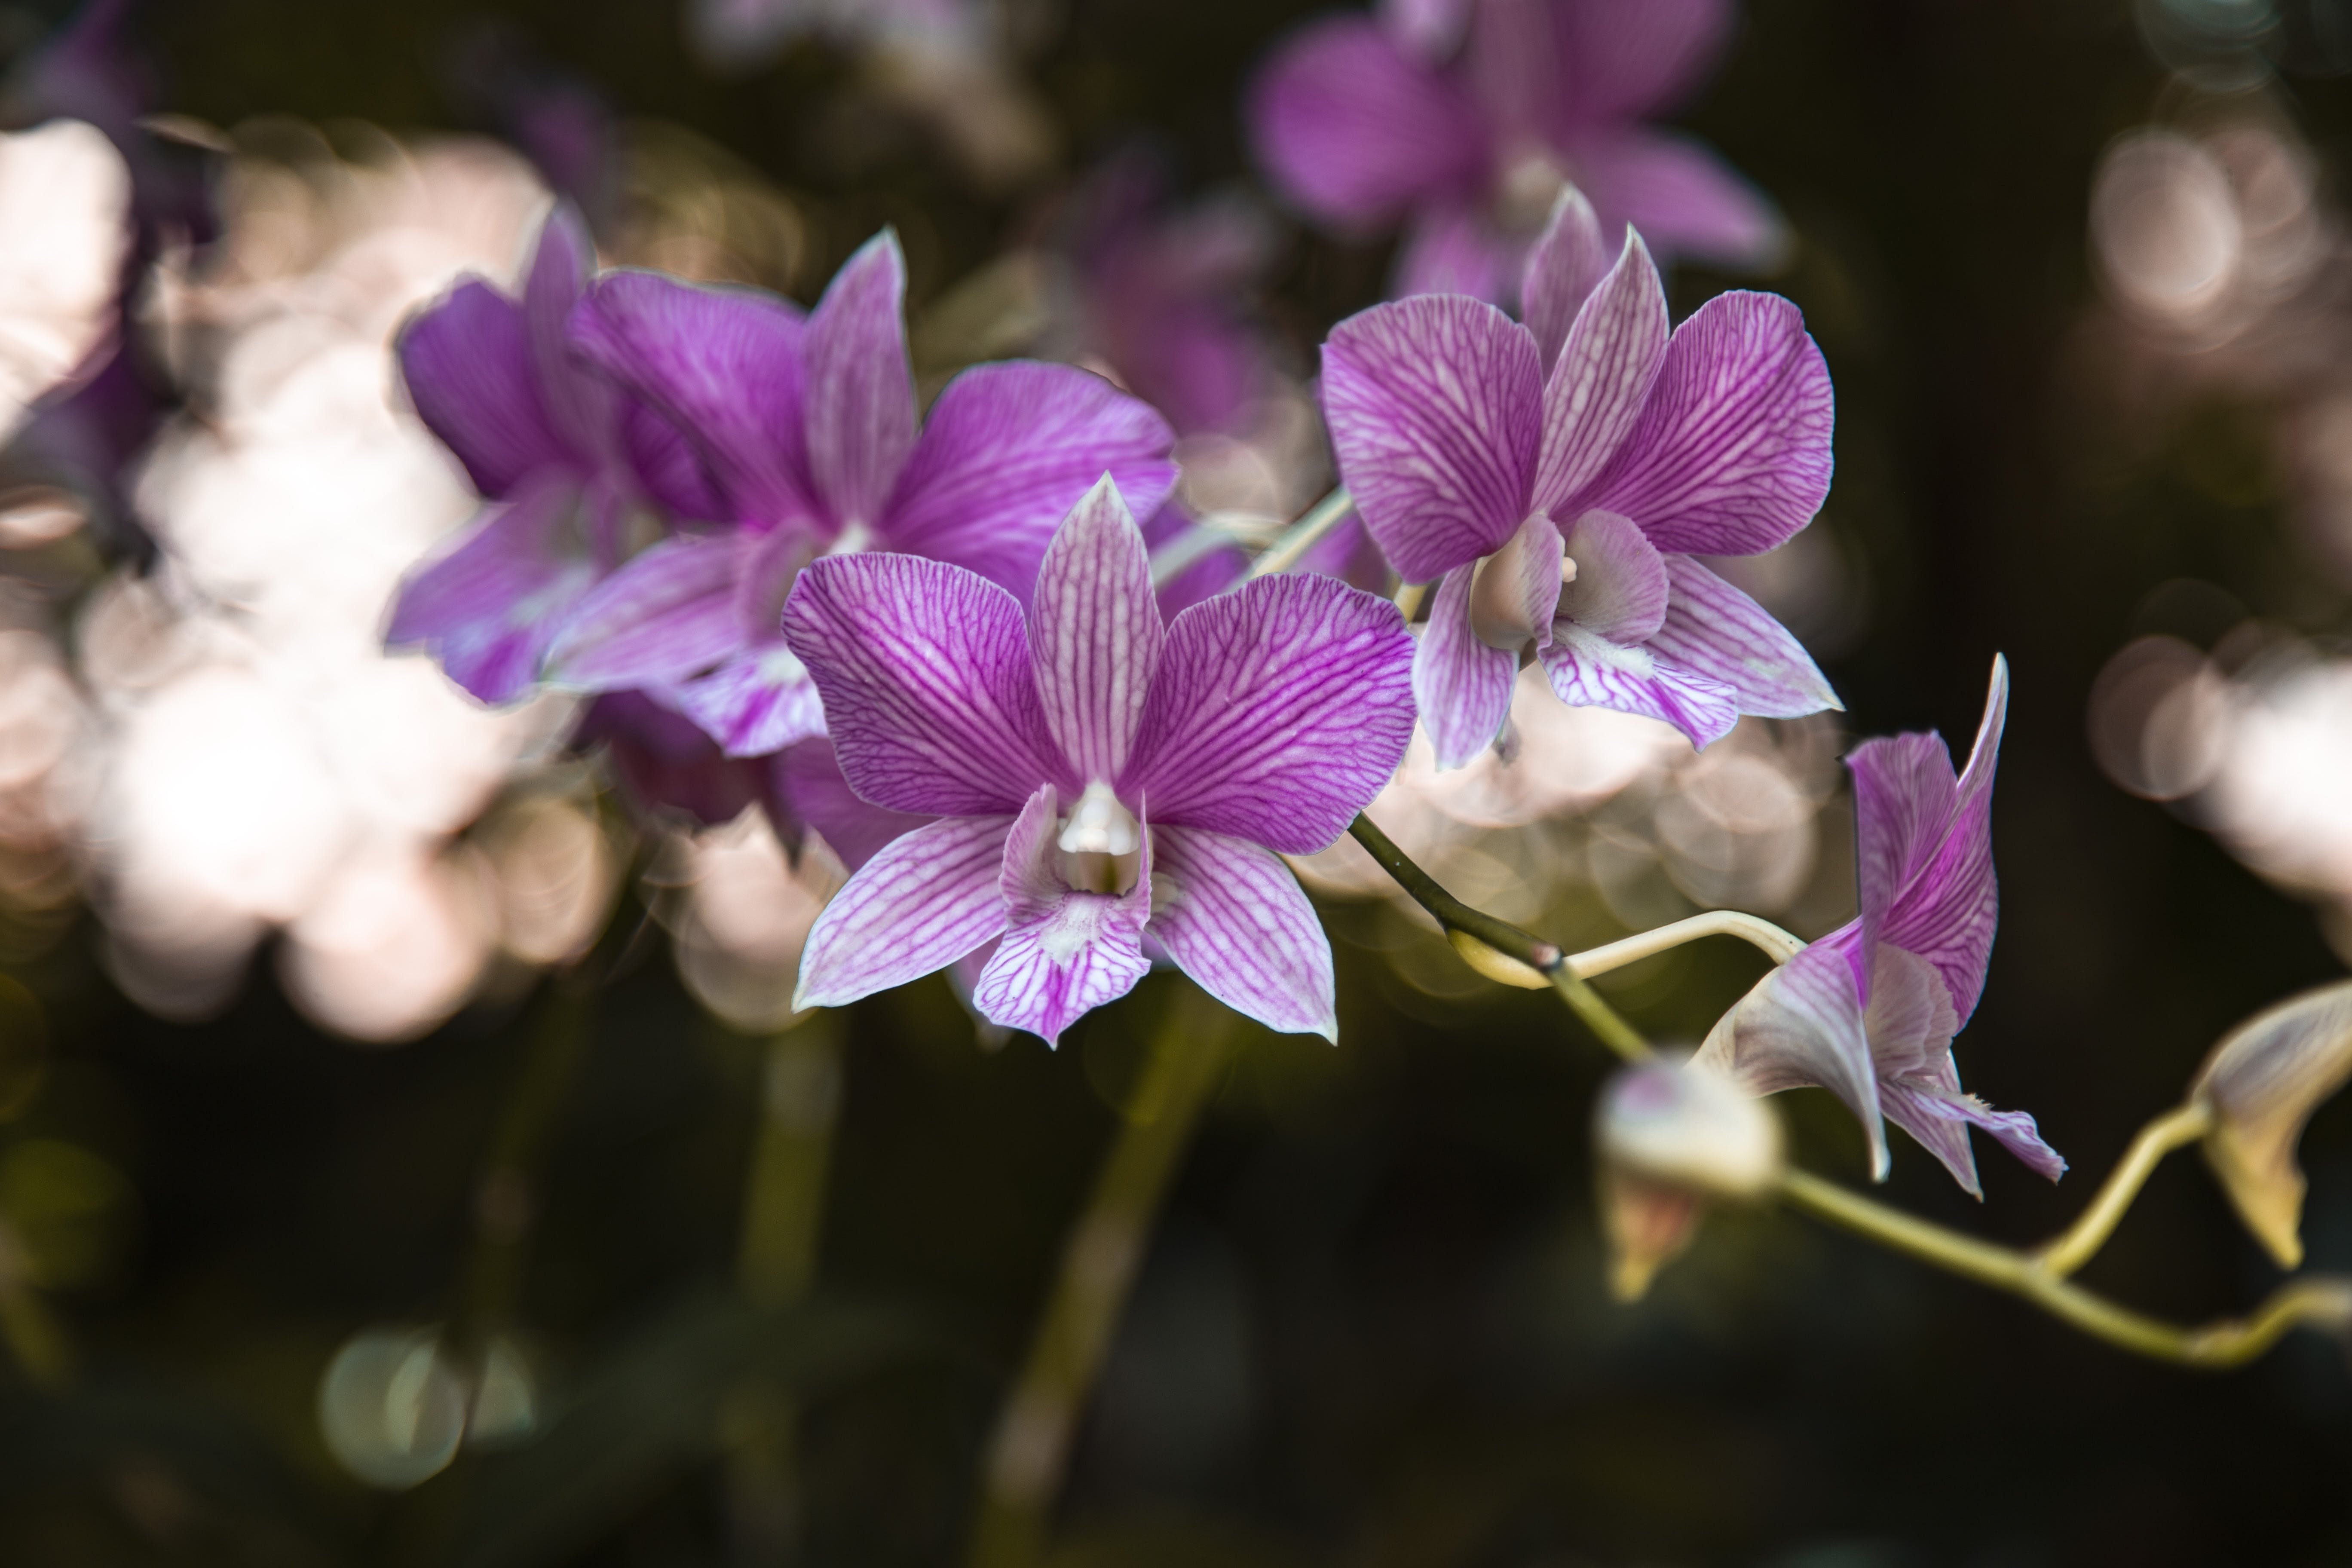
<point>2081,1240</point>
<point>1777,945</point>
<point>1300,537</point>
<point>1031,1446</point>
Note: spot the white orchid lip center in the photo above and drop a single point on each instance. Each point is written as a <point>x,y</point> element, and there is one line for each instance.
<point>1499,606</point>
<point>1099,842</point>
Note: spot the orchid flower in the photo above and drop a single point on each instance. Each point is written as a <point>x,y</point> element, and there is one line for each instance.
<point>1567,513</point>
<point>1105,785</point>
<point>563,462</point>
<point>808,428</point>
<point>1869,1011</point>
<point>1468,138</point>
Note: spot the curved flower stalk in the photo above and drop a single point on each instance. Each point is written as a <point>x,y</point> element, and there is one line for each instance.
<point>1869,1011</point>
<point>564,463</point>
<point>1464,119</point>
<point>808,429</point>
<point>1559,480</point>
<point>1103,781</point>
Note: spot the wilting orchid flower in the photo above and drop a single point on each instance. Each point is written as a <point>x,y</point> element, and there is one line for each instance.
<point>562,459</point>
<point>1102,781</point>
<point>809,429</point>
<point>1869,1011</point>
<point>1468,140</point>
<point>1567,513</point>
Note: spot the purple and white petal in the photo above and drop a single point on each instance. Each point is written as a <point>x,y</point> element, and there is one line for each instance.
<point>1618,587</point>
<point>1515,593</point>
<point>1686,201</point>
<point>1462,686</point>
<point>924,668</point>
<point>1279,710</point>
<point>1435,408</point>
<point>1940,1122</point>
<point>726,366</point>
<point>468,363</point>
<point>1095,634</point>
<point>1354,131</point>
<point>861,389</point>
<point>1608,364</point>
<point>1232,916</point>
<point>1588,670</point>
<point>489,609</point>
<point>579,404</point>
<point>1063,951</point>
<point>1007,451</point>
<point>1452,246</point>
<point>925,901</point>
<point>807,775</point>
<point>1713,628</point>
<point>1731,455</point>
<point>1801,1028</point>
<point>1623,60</point>
<point>758,702</point>
<point>669,614</point>
<point>1567,260</point>
<point>1427,29</point>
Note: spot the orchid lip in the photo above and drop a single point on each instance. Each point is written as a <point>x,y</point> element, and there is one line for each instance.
<point>1099,843</point>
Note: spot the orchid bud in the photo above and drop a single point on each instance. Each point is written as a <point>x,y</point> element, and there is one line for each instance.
<point>2261,1083</point>
<point>1671,1137</point>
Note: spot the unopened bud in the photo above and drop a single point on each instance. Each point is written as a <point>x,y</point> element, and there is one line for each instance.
<point>1671,1137</point>
<point>2261,1083</point>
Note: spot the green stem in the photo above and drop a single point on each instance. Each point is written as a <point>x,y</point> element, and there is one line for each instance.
<point>1300,537</point>
<point>2081,1240</point>
<point>1031,1446</point>
<point>1777,945</point>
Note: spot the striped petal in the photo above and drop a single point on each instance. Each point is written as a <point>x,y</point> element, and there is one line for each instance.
<point>1063,953</point>
<point>861,389</point>
<point>1095,634</point>
<point>1588,670</point>
<point>1462,687</point>
<point>1713,629</point>
<point>925,901</point>
<point>1801,1028</point>
<point>1233,916</point>
<point>1608,363</point>
<point>1565,262</point>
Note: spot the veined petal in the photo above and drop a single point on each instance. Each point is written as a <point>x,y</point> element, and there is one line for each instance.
<point>468,361</point>
<point>760,701</point>
<point>924,669</point>
<point>1620,589</point>
<point>1095,635</point>
<point>489,609</point>
<point>1714,629</point>
<point>1686,201</point>
<point>1278,712</point>
<point>1354,131</point>
<point>668,614</point>
<point>1566,263</point>
<point>1940,1122</point>
<point>924,901</point>
<point>1007,451</point>
<point>808,774</point>
<point>1588,670</point>
<point>861,389</point>
<point>1515,593</point>
<point>1462,687</point>
<point>579,404</point>
<point>1233,916</point>
<point>1608,364</point>
<point>1063,953</point>
<point>725,365</point>
<point>1801,1028</point>
<point>1731,455</point>
<point>1435,407</point>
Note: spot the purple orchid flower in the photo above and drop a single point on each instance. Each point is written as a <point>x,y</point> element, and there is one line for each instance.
<point>808,431</point>
<point>1869,1011</point>
<point>1468,138</point>
<point>1105,783</point>
<point>1559,480</point>
<point>564,463</point>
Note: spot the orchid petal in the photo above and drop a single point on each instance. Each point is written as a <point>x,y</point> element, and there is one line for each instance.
<point>1278,712</point>
<point>725,365</point>
<point>1800,1027</point>
<point>861,389</point>
<point>1434,405</point>
<point>1007,451</point>
<point>1588,670</point>
<point>808,774</point>
<point>1515,593</point>
<point>924,668</point>
<point>1063,953</point>
<point>1608,364</point>
<point>1714,629</point>
<point>668,614</point>
<point>1232,916</point>
<point>1620,590</point>
<point>1452,246</point>
<point>1686,201</point>
<point>665,761</point>
<point>579,404</point>
<point>1563,267</point>
<point>468,363</point>
<point>668,464</point>
<point>1095,635</point>
<point>1354,131</point>
<point>1731,455</point>
<point>924,901</point>
<point>489,609</point>
<point>1622,59</point>
<point>758,702</point>
<point>1462,687</point>
<point>1940,1122</point>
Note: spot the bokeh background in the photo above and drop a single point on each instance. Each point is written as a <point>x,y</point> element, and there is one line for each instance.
<point>277,912</point>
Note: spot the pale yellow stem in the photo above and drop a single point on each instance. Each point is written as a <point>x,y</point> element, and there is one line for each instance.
<point>1777,945</point>
<point>1300,537</point>
<point>2081,1240</point>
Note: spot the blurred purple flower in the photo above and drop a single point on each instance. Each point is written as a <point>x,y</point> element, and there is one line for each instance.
<point>1560,478</point>
<point>1464,119</point>
<point>1102,779</point>
<point>807,428</point>
<point>1869,1011</point>
<point>562,459</point>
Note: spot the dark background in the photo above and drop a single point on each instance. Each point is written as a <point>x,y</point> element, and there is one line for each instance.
<point>1372,1328</point>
